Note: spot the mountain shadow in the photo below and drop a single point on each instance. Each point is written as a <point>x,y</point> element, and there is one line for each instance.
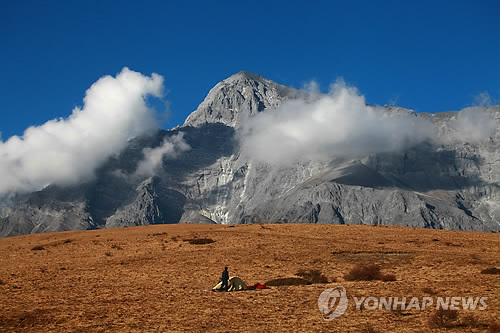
<point>426,168</point>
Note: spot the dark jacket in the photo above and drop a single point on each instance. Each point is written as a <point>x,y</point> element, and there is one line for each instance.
<point>225,275</point>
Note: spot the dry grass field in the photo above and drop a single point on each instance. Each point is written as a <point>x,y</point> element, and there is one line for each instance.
<point>152,279</point>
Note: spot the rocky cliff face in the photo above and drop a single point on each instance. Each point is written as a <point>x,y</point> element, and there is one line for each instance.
<point>455,185</point>
<point>241,95</point>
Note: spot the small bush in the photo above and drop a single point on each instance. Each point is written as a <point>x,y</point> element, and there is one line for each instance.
<point>443,318</point>
<point>200,241</point>
<point>429,291</point>
<point>108,254</point>
<point>388,277</point>
<point>288,282</point>
<point>364,273</point>
<point>37,248</point>
<point>313,275</point>
<point>494,328</point>
<point>491,270</point>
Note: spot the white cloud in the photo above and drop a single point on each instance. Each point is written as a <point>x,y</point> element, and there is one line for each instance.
<point>67,151</point>
<point>473,125</point>
<point>153,157</point>
<point>339,123</point>
<point>483,99</point>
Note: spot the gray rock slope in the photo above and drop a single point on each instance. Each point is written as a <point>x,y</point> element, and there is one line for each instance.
<point>447,186</point>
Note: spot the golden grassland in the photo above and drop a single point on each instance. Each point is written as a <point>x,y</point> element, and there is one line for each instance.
<point>151,279</point>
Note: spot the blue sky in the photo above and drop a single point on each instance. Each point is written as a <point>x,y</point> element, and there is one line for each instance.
<point>429,56</point>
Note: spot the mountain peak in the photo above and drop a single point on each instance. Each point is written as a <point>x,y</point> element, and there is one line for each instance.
<point>241,93</point>
<point>244,75</point>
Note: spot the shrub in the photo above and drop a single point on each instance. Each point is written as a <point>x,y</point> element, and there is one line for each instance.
<point>313,275</point>
<point>200,241</point>
<point>37,248</point>
<point>368,273</point>
<point>429,291</point>
<point>364,273</point>
<point>108,254</point>
<point>388,277</point>
<point>443,318</point>
<point>287,282</point>
<point>491,270</point>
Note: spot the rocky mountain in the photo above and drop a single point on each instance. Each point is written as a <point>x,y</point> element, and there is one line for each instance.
<point>454,185</point>
<point>241,95</point>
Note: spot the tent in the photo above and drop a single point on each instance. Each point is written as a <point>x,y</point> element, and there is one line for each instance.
<point>234,284</point>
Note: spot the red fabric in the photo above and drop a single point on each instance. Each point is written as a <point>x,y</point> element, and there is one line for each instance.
<point>258,285</point>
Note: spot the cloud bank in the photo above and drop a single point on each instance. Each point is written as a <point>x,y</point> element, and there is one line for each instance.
<point>339,123</point>
<point>67,151</point>
<point>472,125</point>
<point>153,157</point>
